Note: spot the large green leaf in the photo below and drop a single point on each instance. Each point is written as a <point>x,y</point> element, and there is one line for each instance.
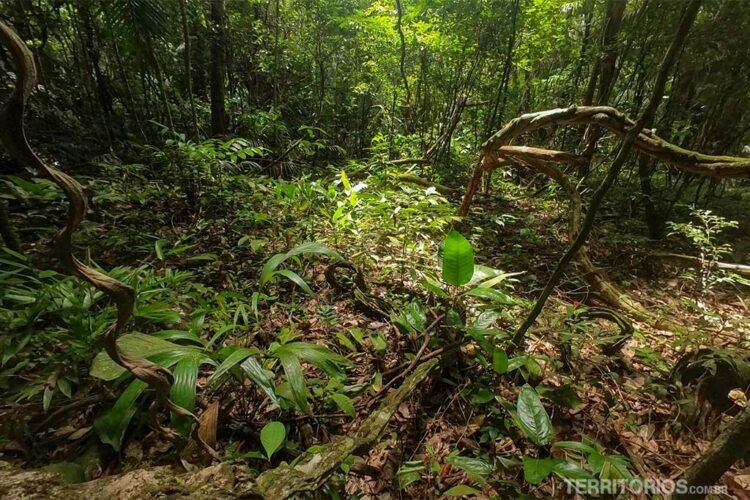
<point>295,377</point>
<point>235,358</point>
<point>476,468</point>
<point>182,392</point>
<point>536,470</point>
<point>499,361</point>
<point>320,356</point>
<point>569,471</point>
<point>296,279</point>
<point>458,259</point>
<point>112,425</point>
<point>532,417</point>
<point>135,345</point>
<point>306,248</point>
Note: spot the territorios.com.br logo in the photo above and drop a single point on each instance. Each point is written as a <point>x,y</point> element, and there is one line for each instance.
<point>639,486</point>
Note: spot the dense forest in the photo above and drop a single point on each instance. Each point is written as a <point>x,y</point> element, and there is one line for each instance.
<point>374,248</point>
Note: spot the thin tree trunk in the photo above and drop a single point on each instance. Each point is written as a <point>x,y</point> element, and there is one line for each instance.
<point>402,62</point>
<point>133,107</point>
<point>6,230</point>
<point>218,69</point>
<point>604,73</point>
<point>498,102</point>
<point>188,67</point>
<point>91,49</point>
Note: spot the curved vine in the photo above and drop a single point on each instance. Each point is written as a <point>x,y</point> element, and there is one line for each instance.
<point>13,138</point>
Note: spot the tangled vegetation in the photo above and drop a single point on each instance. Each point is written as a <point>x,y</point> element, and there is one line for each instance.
<point>492,249</point>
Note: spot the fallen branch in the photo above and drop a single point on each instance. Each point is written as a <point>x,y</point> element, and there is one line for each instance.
<point>420,181</point>
<point>309,473</point>
<point>680,260</point>
<point>409,161</point>
<point>647,142</point>
<point>218,481</point>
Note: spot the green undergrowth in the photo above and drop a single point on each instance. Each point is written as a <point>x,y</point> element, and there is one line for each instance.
<point>234,298</point>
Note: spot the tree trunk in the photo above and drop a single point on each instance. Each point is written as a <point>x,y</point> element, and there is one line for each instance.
<point>6,230</point>
<point>731,445</point>
<point>218,68</point>
<point>500,98</point>
<point>188,66</point>
<point>402,61</point>
<point>603,73</point>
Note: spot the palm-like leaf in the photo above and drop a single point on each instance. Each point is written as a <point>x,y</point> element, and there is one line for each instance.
<point>145,16</point>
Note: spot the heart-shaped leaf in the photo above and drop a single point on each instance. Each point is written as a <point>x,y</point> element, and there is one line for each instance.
<point>272,436</point>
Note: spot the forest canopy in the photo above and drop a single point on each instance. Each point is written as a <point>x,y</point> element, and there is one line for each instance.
<point>365,248</point>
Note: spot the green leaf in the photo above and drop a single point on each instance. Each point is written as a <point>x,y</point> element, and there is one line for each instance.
<point>272,436</point>
<point>320,356</point>
<point>433,287</point>
<point>159,247</point>
<point>47,398</point>
<point>564,395</point>
<point>379,342</point>
<point>297,280</point>
<point>344,341</point>
<point>64,385</point>
<point>536,470</point>
<point>532,417</point>
<point>182,392</point>
<point>458,259</point>
<point>295,378</point>
<point>575,445</point>
<point>494,296</point>
<point>345,404</point>
<point>134,345</point>
<point>409,472</point>
<point>475,467</point>
<point>483,396</point>
<point>112,425</point>
<point>499,361</point>
<point>461,490</point>
<point>262,377</point>
<point>268,269</point>
<point>609,467</point>
<point>235,358</point>
<point>306,248</point>
<point>569,471</point>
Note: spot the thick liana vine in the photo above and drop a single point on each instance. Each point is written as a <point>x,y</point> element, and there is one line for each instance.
<point>13,138</point>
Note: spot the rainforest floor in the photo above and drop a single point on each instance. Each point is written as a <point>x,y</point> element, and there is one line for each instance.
<point>197,264</point>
